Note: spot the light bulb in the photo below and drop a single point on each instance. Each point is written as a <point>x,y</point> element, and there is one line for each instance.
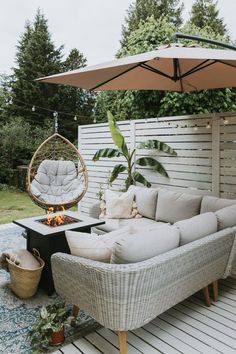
<point>94,120</point>
<point>208,126</point>
<point>195,127</point>
<point>33,109</point>
<point>75,118</point>
<point>225,120</point>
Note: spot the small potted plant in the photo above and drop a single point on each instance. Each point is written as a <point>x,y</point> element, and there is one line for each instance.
<point>49,327</point>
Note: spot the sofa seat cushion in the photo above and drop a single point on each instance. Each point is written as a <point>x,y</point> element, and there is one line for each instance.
<point>144,245</point>
<point>114,224</point>
<point>146,200</point>
<point>226,217</point>
<point>213,204</point>
<point>196,227</point>
<point>173,206</point>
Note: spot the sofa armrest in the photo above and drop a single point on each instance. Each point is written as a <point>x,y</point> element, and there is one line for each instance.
<point>125,297</point>
<point>94,210</point>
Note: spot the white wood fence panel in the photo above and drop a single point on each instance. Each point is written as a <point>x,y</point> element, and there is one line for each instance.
<point>205,144</point>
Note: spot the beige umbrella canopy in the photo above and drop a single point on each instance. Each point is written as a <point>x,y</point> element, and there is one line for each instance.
<point>173,67</point>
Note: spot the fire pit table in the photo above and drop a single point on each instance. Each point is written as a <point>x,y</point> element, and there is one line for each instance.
<point>49,239</point>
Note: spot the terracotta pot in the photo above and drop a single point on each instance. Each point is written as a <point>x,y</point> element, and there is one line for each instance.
<point>58,337</point>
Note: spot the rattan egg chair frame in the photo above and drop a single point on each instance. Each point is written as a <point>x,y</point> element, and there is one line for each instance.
<point>57,147</point>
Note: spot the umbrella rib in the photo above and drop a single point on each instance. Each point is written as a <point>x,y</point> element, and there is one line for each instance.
<point>223,62</point>
<point>115,77</point>
<point>198,67</point>
<point>156,71</point>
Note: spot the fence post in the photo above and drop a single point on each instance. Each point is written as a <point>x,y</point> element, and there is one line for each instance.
<point>216,155</point>
<point>79,148</point>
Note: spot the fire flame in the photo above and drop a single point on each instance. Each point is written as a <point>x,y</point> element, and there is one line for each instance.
<point>55,220</point>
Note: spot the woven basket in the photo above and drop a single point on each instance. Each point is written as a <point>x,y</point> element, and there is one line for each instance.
<point>24,282</point>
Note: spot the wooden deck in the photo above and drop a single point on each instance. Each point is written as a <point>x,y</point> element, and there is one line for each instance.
<point>190,328</point>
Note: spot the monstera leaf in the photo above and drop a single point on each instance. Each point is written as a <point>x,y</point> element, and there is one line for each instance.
<point>116,134</point>
<point>157,145</point>
<point>153,163</point>
<point>106,153</point>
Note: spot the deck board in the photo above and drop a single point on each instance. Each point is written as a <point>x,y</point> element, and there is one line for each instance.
<point>189,328</point>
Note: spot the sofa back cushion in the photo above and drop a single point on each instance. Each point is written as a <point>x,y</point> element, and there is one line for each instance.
<point>196,227</point>
<point>173,206</point>
<point>226,217</point>
<point>146,200</point>
<point>142,245</point>
<point>213,204</point>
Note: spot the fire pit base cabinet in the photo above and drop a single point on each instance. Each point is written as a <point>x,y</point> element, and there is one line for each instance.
<point>48,240</point>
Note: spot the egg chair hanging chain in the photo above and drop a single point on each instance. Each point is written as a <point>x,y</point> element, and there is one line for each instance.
<point>55,115</point>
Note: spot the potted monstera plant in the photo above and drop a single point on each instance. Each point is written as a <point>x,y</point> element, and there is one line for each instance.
<point>133,176</point>
<point>49,327</point>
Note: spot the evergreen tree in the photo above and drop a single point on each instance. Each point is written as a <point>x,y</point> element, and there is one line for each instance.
<point>36,57</point>
<point>204,13</point>
<point>75,100</point>
<point>140,10</point>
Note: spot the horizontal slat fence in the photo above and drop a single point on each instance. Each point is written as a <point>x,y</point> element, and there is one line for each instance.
<point>205,144</point>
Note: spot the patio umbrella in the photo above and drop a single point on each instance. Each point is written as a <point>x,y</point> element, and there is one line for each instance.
<point>173,67</point>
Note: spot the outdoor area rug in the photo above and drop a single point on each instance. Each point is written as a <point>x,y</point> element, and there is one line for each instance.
<point>17,316</point>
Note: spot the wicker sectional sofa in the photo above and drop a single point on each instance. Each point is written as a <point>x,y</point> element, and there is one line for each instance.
<point>123,297</point>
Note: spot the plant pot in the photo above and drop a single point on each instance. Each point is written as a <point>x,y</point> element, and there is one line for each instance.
<point>58,337</point>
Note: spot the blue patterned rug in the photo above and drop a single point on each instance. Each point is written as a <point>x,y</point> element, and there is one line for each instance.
<point>17,316</point>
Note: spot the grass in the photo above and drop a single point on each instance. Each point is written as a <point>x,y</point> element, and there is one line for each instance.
<point>16,205</point>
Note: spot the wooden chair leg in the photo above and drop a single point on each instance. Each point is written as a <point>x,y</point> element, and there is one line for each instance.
<point>75,311</point>
<point>206,296</point>
<point>215,290</point>
<point>122,342</point>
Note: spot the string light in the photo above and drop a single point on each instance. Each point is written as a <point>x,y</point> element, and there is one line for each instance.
<point>94,120</point>
<point>225,121</point>
<point>208,126</point>
<point>33,109</point>
<point>75,118</point>
<point>195,127</point>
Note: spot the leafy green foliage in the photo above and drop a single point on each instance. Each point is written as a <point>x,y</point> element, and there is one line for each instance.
<point>51,319</point>
<point>137,104</point>
<point>141,10</point>
<point>158,145</point>
<point>106,153</point>
<point>17,144</point>
<point>153,163</point>
<point>133,176</point>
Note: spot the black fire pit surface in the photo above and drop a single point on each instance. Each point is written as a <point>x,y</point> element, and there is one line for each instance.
<point>48,240</point>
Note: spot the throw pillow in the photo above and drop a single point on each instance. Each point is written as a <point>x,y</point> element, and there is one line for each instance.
<point>119,206</point>
<point>92,246</point>
<point>141,246</point>
<point>196,227</point>
<point>88,246</point>
<point>226,217</point>
<point>27,260</point>
<point>134,213</point>
<point>173,206</point>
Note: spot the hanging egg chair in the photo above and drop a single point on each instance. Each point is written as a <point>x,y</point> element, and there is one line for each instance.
<point>57,176</point>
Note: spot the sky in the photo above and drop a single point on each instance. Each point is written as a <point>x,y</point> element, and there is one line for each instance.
<point>92,26</point>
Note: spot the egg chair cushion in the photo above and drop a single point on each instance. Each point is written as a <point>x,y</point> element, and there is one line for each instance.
<point>56,182</point>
